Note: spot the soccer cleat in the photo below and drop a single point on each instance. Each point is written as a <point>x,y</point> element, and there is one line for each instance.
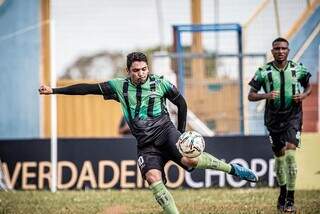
<point>289,207</point>
<point>281,203</point>
<point>244,173</point>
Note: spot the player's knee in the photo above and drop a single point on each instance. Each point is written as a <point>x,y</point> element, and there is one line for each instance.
<point>153,175</point>
<point>279,170</point>
<point>280,152</point>
<point>290,157</point>
<point>291,162</point>
<point>189,162</point>
<point>292,170</point>
<point>291,146</point>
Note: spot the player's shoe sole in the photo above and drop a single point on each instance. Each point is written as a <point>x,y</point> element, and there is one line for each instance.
<point>289,207</point>
<point>244,173</point>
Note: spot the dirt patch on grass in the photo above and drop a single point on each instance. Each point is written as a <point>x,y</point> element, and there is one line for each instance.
<point>117,209</point>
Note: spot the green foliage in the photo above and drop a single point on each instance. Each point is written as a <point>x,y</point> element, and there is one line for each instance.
<point>214,200</point>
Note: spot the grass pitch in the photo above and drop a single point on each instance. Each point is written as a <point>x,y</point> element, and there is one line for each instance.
<point>141,201</point>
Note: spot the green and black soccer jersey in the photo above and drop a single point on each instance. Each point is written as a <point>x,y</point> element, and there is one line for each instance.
<point>282,111</point>
<point>143,106</point>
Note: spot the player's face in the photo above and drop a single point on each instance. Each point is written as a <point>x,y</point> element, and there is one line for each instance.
<point>280,51</point>
<point>138,72</point>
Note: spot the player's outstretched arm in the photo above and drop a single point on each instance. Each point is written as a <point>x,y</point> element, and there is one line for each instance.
<point>77,89</point>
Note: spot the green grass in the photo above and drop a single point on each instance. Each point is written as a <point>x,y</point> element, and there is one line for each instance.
<point>141,201</point>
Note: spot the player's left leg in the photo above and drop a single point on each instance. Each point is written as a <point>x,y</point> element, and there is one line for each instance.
<point>291,176</point>
<point>293,141</point>
<point>208,161</point>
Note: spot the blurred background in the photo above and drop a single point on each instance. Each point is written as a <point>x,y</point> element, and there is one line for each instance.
<point>87,41</point>
<point>209,48</point>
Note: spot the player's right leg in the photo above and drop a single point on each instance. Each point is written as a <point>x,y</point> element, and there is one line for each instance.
<point>278,147</point>
<point>280,167</point>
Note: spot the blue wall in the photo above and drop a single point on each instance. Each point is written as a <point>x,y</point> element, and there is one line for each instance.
<point>19,69</point>
<point>311,55</point>
<point>310,58</point>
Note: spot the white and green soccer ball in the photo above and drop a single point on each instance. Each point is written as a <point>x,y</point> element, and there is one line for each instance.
<point>191,144</point>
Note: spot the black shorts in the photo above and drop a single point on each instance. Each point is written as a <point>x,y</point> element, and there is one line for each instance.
<point>155,157</point>
<point>279,140</point>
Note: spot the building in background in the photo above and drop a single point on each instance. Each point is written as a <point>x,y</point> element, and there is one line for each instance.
<point>86,30</point>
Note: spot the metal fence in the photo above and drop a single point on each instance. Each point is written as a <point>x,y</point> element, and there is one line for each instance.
<point>212,89</point>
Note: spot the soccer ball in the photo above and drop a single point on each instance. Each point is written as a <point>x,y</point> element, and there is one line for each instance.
<point>191,144</point>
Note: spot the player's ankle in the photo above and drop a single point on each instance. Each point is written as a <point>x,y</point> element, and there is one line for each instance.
<point>232,171</point>
<point>283,190</point>
<point>290,195</point>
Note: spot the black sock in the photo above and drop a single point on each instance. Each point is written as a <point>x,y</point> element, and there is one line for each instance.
<point>283,191</point>
<point>290,195</point>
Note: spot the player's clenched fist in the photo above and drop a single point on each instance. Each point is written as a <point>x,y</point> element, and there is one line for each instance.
<point>272,95</point>
<point>45,89</point>
<point>299,97</point>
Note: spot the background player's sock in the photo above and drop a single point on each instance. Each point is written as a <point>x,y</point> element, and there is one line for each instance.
<point>207,161</point>
<point>291,169</point>
<point>164,198</point>
<point>281,169</point>
<point>282,198</point>
<point>290,195</point>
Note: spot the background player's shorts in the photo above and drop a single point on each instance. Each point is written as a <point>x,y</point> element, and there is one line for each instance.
<point>279,140</point>
<point>155,157</point>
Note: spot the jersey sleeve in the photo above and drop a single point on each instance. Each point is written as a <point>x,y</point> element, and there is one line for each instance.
<point>257,81</point>
<point>108,90</point>
<point>303,75</point>
<point>171,91</point>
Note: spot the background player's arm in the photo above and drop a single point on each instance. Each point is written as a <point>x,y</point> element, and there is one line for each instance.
<point>303,78</point>
<point>77,89</point>
<point>255,96</point>
<point>256,83</point>
<point>299,97</point>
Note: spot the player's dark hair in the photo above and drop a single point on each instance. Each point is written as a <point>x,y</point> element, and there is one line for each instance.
<point>136,56</point>
<point>280,39</point>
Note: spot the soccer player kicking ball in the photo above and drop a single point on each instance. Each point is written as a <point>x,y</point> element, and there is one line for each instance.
<point>142,97</point>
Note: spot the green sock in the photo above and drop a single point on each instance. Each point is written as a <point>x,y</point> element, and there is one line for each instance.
<point>207,161</point>
<point>164,198</point>
<point>291,169</point>
<point>281,168</point>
